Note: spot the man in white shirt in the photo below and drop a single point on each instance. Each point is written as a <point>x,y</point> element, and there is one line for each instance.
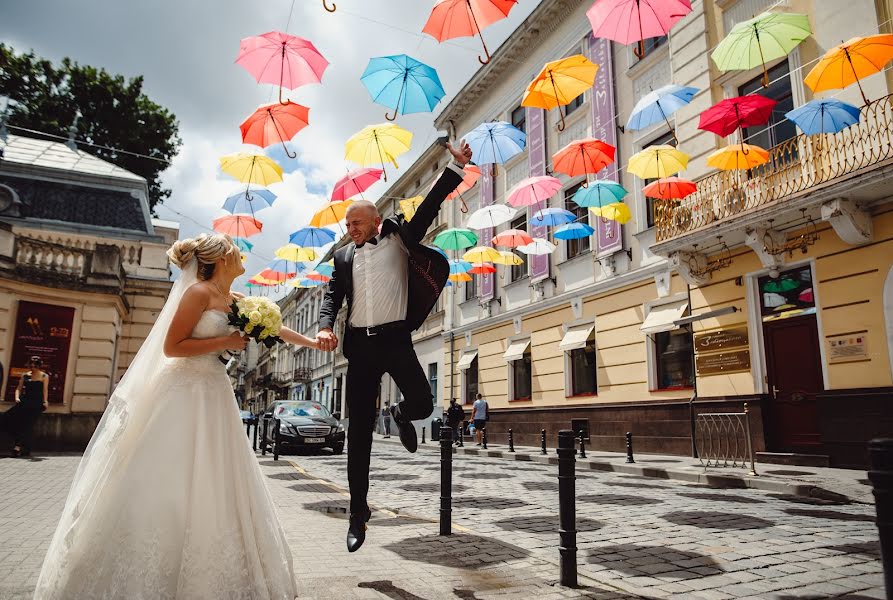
<point>479,412</point>
<point>391,282</point>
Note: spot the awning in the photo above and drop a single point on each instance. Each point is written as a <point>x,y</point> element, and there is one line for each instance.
<point>575,338</point>
<point>467,359</point>
<point>516,350</point>
<point>660,318</point>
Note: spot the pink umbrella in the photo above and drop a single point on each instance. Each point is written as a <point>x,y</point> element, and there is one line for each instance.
<point>355,182</point>
<point>512,238</point>
<point>628,21</point>
<point>286,60</point>
<point>533,190</point>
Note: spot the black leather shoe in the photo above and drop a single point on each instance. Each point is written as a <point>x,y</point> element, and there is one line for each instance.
<point>356,531</point>
<point>408,436</point>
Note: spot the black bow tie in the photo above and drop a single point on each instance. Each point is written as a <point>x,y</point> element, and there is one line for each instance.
<point>373,241</point>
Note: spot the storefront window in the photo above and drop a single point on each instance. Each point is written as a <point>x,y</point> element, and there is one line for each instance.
<point>672,351</point>
<point>471,382</point>
<point>522,377</point>
<point>788,295</point>
<point>583,370</point>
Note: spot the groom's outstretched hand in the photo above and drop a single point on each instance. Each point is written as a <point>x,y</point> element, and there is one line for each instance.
<point>327,340</point>
<point>461,153</point>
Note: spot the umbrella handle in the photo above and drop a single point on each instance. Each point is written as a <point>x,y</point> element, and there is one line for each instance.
<point>326,6</point>
<point>561,122</point>
<point>389,117</point>
<point>639,50</point>
<point>483,43</point>
<point>464,208</point>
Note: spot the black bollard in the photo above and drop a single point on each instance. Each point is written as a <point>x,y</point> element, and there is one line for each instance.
<point>263,438</point>
<point>567,510</point>
<point>423,435</point>
<point>543,441</point>
<point>629,447</point>
<point>484,438</point>
<point>446,480</point>
<point>880,458</point>
<point>276,424</point>
<point>582,445</point>
<point>511,441</point>
<point>462,434</point>
<point>254,440</point>
<point>248,430</point>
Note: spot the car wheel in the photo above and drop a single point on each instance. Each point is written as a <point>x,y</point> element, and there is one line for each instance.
<point>339,449</point>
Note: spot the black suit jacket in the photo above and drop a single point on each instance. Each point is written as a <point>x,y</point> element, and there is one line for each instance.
<point>428,269</point>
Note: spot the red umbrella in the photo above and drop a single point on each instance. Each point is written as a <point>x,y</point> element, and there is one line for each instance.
<point>317,276</point>
<point>670,188</point>
<point>512,238</point>
<point>472,174</point>
<point>275,124</point>
<point>355,182</point>
<point>460,18</point>
<point>482,269</point>
<point>723,118</point>
<point>583,157</point>
<point>240,226</point>
<point>286,60</point>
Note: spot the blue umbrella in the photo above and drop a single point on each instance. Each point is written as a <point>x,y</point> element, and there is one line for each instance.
<point>824,116</point>
<point>459,266</point>
<point>309,283</point>
<point>312,237</point>
<point>402,83</point>
<point>574,231</point>
<point>551,217</point>
<point>658,105</point>
<point>495,142</point>
<point>249,201</point>
<point>325,269</point>
<point>280,265</point>
<point>243,245</point>
<point>599,193</point>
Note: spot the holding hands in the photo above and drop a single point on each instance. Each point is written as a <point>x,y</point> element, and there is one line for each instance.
<point>326,340</point>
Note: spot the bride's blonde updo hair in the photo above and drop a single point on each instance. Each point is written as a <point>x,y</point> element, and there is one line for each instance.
<point>206,249</point>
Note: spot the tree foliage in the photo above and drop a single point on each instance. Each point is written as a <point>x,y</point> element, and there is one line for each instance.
<point>115,113</point>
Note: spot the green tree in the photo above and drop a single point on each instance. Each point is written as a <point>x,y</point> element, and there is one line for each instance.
<point>115,113</point>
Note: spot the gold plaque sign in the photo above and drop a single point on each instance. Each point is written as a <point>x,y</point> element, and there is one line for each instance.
<point>723,339</point>
<point>847,347</point>
<point>735,361</point>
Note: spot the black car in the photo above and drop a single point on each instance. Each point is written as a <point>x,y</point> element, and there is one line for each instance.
<point>305,424</point>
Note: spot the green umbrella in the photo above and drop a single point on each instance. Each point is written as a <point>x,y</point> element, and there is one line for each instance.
<point>456,239</point>
<point>765,37</point>
<point>777,286</point>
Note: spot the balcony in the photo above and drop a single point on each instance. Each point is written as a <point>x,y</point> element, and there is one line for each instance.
<point>302,375</point>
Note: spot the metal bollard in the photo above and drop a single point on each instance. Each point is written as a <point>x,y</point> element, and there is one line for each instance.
<point>511,441</point>
<point>276,424</point>
<point>446,480</point>
<point>263,438</point>
<point>880,458</point>
<point>582,445</point>
<point>462,434</point>
<point>254,442</point>
<point>484,438</point>
<point>423,435</point>
<point>567,509</point>
<point>629,447</point>
<point>248,430</point>
<point>543,441</point>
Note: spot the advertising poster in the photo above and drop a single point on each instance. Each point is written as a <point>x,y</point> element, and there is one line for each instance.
<point>42,330</point>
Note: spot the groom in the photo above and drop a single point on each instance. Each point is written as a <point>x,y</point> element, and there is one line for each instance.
<point>391,282</point>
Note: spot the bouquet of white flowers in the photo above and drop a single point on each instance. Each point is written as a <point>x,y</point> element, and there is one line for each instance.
<point>258,317</point>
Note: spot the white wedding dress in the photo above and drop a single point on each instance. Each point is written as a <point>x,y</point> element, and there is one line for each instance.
<point>169,501</point>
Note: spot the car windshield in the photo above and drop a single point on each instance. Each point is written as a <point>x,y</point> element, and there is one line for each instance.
<point>301,409</point>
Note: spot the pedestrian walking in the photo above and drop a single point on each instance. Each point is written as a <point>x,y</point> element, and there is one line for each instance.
<point>31,397</point>
<point>454,417</point>
<point>386,418</point>
<point>480,414</point>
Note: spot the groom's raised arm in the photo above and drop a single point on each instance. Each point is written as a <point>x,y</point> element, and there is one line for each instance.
<point>427,211</point>
<point>331,302</point>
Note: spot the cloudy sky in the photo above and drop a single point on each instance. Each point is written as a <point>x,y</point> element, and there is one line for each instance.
<point>185,50</point>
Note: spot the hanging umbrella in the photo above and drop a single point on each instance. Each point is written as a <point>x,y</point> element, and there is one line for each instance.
<point>573,231</point>
<point>806,295</point>
<point>459,277</point>
<point>658,105</point>
<point>317,276</point>
<point>410,205</point>
<point>851,61</point>
<point>403,84</point>
<point>275,124</point>
<point>824,116</point>
<point>633,21</point>
<point>305,283</point>
<point>538,247</point>
<point>481,254</point>
<point>243,245</point>
<point>276,275</point>
<point>732,114</point>
<point>738,157</point>
<point>656,162</point>
<point>495,142</point>
<point>670,188</point>
<point>459,266</point>
<point>286,60</point>
<point>355,183</point>
<point>559,83</point>
<point>249,201</point>
<point>583,157</point>
<point>780,286</point>
<point>280,265</point>
<point>772,300</point>
<point>331,213</point>
<point>482,269</point>
<point>295,253</point>
<point>512,238</point>
<point>455,239</point>
<point>312,237</point>
<point>552,217</point>
<point>765,37</point>
<point>262,281</point>
<point>613,212</point>
<point>599,193</point>
<point>490,216</point>
<point>533,190</point>
<point>237,226</point>
<point>251,168</point>
<point>378,144</point>
<point>465,18</point>
<point>472,174</point>
<point>509,258</point>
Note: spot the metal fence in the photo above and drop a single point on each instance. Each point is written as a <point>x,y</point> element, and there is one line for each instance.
<point>724,440</point>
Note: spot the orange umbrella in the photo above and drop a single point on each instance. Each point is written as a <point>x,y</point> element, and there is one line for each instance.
<point>738,157</point>
<point>512,238</point>
<point>670,188</point>
<point>583,157</point>
<point>559,83</point>
<point>275,124</point>
<point>276,276</point>
<point>472,174</point>
<point>458,277</point>
<point>847,63</point>
<point>330,213</point>
<point>317,276</point>
<point>240,226</point>
<point>461,18</point>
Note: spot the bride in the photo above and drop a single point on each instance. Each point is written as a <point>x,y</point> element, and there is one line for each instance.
<point>168,501</point>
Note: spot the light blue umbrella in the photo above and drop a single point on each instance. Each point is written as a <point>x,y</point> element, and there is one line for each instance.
<point>312,237</point>
<point>552,217</point>
<point>402,83</point>
<point>325,269</point>
<point>243,245</point>
<point>599,193</point>
<point>459,266</point>
<point>824,116</point>
<point>280,265</point>
<point>495,142</point>
<point>309,283</point>
<point>249,201</point>
<point>658,105</point>
<point>573,231</point>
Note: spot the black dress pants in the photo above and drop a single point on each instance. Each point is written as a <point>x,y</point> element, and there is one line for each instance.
<point>370,357</point>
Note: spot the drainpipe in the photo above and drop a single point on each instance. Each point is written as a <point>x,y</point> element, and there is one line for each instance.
<point>694,379</point>
<point>452,365</point>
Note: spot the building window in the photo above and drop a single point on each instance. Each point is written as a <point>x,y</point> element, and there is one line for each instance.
<point>665,139</point>
<point>522,377</point>
<point>574,104</point>
<point>471,288</point>
<point>519,118</point>
<point>432,381</point>
<point>519,271</point>
<point>471,381</point>
<point>582,245</point>
<point>583,370</point>
<point>779,128</point>
<point>650,44</point>
<point>672,353</point>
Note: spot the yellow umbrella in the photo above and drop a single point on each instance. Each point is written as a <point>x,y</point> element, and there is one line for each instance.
<point>508,258</point>
<point>378,144</point>
<point>410,205</point>
<point>261,279</point>
<point>331,213</point>
<point>560,82</point>
<point>847,63</point>
<point>657,162</point>
<point>738,156</point>
<point>457,277</point>
<point>295,253</point>
<point>616,211</point>
<point>251,168</point>
<point>481,254</point>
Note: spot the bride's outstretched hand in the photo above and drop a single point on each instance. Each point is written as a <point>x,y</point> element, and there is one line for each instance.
<point>235,341</point>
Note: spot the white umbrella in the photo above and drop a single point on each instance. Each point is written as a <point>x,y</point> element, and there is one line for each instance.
<point>490,216</point>
<point>537,247</point>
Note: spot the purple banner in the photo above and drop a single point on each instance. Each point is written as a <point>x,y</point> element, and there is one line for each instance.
<point>536,159</point>
<point>609,238</point>
<point>488,283</point>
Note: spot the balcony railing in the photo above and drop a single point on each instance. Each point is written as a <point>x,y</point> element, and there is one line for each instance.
<point>302,375</point>
<point>794,166</point>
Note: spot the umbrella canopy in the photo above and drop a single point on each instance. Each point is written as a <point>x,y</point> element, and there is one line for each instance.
<point>573,231</point>
<point>784,284</point>
<point>538,247</point>
<point>262,281</point>
<point>355,183</point>
<point>295,253</point>
<point>630,21</point>
<point>459,266</point>
<point>403,84</point>
<point>512,238</point>
<point>490,216</point>
<point>251,168</point>
<point>559,83</point>
<point>824,116</point>
<point>306,283</point>
<point>613,212</point>
<point>456,239</point>
<point>472,174</point>
<point>729,115</point>
<point>765,37</point>
<point>249,201</point>
<point>552,217</point>
<point>331,213</point>
<point>280,265</point>
<point>378,144</point>
<point>509,258</point>
<point>317,276</point>
<point>658,105</point>
<point>533,190</point>
<point>285,60</point>
<point>481,254</point>
<point>312,237</point>
<point>583,157</point>
<point>670,188</point>
<point>737,157</point>
<point>243,245</point>
<point>410,205</point>
<point>463,18</point>
<point>656,162</point>
<point>599,193</point>
<point>482,268</point>
<point>459,277</point>
<point>237,226</point>
<point>847,63</point>
<point>276,275</point>
<point>275,124</point>
<point>495,142</point>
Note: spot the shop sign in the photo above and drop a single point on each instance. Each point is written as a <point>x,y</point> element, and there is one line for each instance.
<point>736,361</point>
<point>847,347</point>
<point>42,330</point>
<point>723,339</point>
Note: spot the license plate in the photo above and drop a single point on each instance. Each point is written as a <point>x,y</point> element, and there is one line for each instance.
<point>314,440</point>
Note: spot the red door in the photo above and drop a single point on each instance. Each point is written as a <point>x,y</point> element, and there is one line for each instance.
<point>795,376</point>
